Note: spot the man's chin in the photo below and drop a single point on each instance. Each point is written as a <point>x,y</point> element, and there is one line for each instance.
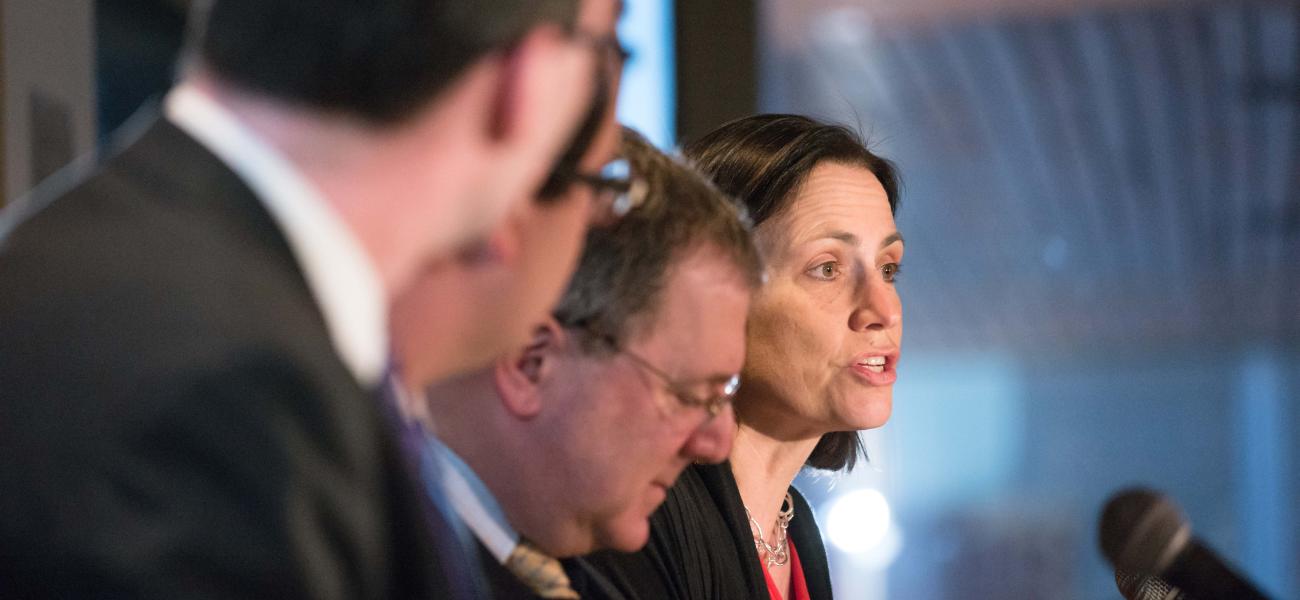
<point>627,536</point>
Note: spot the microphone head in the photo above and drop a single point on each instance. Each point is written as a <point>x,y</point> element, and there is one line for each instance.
<point>1145,587</point>
<point>1142,531</point>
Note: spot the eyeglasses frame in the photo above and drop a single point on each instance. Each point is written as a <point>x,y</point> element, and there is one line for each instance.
<point>712,405</point>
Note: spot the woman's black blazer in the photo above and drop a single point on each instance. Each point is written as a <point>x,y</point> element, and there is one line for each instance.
<point>701,547</point>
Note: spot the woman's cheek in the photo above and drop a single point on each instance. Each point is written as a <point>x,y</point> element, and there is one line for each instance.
<point>786,334</point>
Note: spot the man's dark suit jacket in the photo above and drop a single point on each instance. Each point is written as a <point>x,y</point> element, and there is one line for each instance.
<point>701,546</point>
<point>174,420</point>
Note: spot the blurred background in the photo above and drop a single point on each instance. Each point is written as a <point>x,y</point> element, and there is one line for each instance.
<point>1102,284</point>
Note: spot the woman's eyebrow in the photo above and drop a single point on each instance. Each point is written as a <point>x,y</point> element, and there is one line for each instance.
<point>891,238</point>
<point>843,236</point>
<point>852,239</point>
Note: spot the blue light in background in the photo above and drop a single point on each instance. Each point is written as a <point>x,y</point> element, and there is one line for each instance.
<point>647,98</point>
<point>956,440</point>
<point>1262,479</point>
<point>957,433</point>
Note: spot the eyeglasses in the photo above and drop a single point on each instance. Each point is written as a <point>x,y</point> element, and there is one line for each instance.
<point>606,43</point>
<point>615,191</point>
<point>712,404</point>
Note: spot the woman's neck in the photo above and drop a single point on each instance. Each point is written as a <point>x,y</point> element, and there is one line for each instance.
<point>764,468</point>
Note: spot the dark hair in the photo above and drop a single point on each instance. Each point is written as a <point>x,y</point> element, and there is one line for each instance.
<point>762,161</point>
<point>380,60</point>
<point>624,265</point>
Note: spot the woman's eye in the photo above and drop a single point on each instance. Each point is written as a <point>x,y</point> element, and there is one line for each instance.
<point>891,271</point>
<point>827,270</point>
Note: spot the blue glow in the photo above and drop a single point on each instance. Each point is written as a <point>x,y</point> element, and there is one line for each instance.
<point>1264,466</point>
<point>647,98</point>
<point>957,429</point>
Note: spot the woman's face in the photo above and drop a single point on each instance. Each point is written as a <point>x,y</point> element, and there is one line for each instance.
<point>823,334</point>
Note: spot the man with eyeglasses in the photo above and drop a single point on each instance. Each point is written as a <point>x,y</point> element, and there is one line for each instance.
<point>482,299</point>
<point>196,330</point>
<point>567,443</point>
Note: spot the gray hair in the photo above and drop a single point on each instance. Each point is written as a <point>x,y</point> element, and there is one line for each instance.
<point>623,267</point>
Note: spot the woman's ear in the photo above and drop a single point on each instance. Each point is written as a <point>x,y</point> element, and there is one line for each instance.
<point>519,375</point>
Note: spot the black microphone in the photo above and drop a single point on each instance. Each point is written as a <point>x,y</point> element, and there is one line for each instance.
<point>1146,587</point>
<point>1144,532</point>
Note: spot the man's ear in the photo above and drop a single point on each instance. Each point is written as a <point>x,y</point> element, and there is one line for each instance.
<point>545,85</point>
<point>519,375</point>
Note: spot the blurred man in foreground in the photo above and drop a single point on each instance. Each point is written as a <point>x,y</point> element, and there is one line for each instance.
<point>569,442</point>
<point>483,299</point>
<point>195,330</point>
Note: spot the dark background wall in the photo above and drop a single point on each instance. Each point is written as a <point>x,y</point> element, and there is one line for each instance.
<point>137,43</point>
<point>717,64</point>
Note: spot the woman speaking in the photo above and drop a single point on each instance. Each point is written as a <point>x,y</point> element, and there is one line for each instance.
<point>822,349</point>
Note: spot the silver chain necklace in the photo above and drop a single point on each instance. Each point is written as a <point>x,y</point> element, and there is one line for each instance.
<point>775,555</point>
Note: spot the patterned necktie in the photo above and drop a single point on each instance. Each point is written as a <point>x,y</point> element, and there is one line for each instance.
<point>539,572</point>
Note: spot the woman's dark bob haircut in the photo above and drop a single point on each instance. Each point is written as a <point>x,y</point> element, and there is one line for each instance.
<point>762,161</point>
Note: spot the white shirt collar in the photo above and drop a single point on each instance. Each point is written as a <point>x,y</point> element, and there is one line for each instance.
<point>469,497</point>
<point>342,278</point>
<point>448,477</point>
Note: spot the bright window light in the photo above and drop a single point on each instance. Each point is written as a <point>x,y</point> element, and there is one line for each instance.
<point>859,521</point>
<point>647,98</point>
